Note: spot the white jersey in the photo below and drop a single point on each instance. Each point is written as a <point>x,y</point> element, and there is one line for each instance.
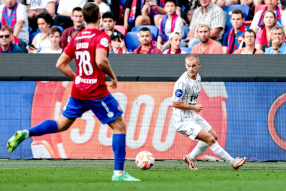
<point>187,91</point>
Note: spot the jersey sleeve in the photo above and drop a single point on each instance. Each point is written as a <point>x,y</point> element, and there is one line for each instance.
<point>179,91</point>
<point>103,42</point>
<point>68,50</point>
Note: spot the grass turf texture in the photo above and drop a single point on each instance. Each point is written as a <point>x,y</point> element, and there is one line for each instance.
<point>69,175</point>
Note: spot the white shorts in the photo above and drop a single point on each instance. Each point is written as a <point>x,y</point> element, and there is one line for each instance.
<point>193,127</point>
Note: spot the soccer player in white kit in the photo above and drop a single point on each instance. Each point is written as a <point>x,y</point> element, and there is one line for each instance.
<point>189,123</point>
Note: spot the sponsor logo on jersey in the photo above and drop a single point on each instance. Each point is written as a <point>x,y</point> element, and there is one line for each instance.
<point>82,37</point>
<point>82,45</point>
<point>104,42</point>
<point>79,80</point>
<point>178,93</point>
<point>86,32</point>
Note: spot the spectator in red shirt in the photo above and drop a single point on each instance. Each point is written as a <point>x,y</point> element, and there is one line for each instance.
<point>146,47</point>
<point>77,26</point>
<point>207,45</point>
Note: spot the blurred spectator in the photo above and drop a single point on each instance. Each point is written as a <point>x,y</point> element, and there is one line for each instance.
<point>263,37</point>
<point>146,47</point>
<point>138,13</point>
<point>103,7</point>
<point>65,12</point>
<point>54,37</point>
<point>174,44</point>
<point>190,6</point>
<point>277,37</point>
<point>257,22</point>
<point>207,45</point>
<point>117,44</point>
<point>41,41</point>
<point>77,18</point>
<point>108,23</point>
<point>2,2</point>
<point>249,40</point>
<point>16,40</point>
<point>6,42</point>
<point>114,6</point>
<point>14,14</point>
<point>234,38</point>
<point>39,6</point>
<point>210,14</point>
<point>152,12</point>
<point>171,22</point>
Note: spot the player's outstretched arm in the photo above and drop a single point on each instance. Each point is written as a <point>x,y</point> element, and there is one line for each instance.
<point>181,105</point>
<point>103,64</point>
<point>63,66</point>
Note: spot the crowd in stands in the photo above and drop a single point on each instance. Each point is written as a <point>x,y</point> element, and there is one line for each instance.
<point>148,26</point>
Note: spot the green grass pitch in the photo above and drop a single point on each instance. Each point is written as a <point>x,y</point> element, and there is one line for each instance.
<point>74,175</point>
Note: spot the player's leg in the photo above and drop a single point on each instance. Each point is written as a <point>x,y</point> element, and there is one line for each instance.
<point>199,149</point>
<point>119,149</point>
<point>108,111</point>
<point>202,146</point>
<point>46,127</point>
<point>73,109</point>
<point>218,150</point>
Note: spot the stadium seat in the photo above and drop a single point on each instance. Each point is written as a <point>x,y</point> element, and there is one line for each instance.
<point>122,2</point>
<point>121,29</point>
<point>154,30</point>
<point>38,30</point>
<point>244,8</point>
<point>187,50</point>
<point>132,41</point>
<point>186,31</point>
<point>59,27</point>
<point>228,24</point>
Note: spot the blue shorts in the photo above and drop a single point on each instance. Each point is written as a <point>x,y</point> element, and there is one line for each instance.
<point>105,109</point>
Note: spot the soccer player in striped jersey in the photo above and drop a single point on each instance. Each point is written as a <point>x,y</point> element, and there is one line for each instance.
<point>189,123</point>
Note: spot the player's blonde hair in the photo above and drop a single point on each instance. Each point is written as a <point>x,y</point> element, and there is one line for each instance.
<point>192,57</point>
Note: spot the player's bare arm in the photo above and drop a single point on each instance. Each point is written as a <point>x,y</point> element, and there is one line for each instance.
<point>103,64</point>
<point>181,105</point>
<point>63,66</point>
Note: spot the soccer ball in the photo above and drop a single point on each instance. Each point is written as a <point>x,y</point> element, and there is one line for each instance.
<point>144,160</point>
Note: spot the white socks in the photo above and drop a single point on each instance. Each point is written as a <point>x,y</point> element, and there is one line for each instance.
<point>27,134</point>
<point>217,150</point>
<point>199,149</point>
<point>118,172</point>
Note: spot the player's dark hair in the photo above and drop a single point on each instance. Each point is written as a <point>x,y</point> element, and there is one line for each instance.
<point>108,15</point>
<point>249,31</point>
<point>76,9</point>
<point>173,1</point>
<point>54,30</point>
<point>144,29</point>
<point>237,11</point>
<point>90,12</point>
<point>47,17</point>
